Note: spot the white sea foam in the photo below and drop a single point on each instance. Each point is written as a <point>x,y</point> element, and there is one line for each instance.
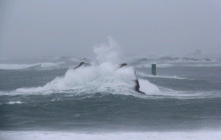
<point>40,135</point>
<point>148,88</point>
<point>14,102</point>
<point>16,66</point>
<point>100,78</point>
<point>26,66</point>
<point>159,76</point>
<point>104,75</point>
<point>46,65</point>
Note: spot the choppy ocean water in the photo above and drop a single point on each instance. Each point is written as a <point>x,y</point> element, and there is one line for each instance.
<point>52,100</point>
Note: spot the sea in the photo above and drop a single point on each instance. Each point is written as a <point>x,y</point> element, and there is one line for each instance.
<point>47,98</point>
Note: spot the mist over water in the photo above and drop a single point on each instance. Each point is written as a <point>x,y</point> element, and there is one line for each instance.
<point>71,28</point>
<point>104,74</point>
<point>44,96</point>
<point>49,95</point>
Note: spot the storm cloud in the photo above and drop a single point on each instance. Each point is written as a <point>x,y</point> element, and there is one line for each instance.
<point>73,28</point>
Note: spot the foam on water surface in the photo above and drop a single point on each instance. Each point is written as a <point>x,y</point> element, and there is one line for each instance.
<point>103,75</point>
<point>14,102</point>
<point>40,135</point>
<point>26,66</point>
<point>160,76</point>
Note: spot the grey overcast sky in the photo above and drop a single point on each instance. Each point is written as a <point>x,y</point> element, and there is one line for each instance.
<point>74,27</point>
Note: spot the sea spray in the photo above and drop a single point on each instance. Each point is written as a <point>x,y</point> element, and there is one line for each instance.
<point>98,99</point>
<point>108,52</point>
<point>103,75</point>
<point>99,78</point>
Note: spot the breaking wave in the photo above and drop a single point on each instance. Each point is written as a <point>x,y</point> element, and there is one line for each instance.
<point>28,66</point>
<point>99,78</point>
<point>159,76</point>
<point>34,135</point>
<point>14,102</point>
<point>104,75</point>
